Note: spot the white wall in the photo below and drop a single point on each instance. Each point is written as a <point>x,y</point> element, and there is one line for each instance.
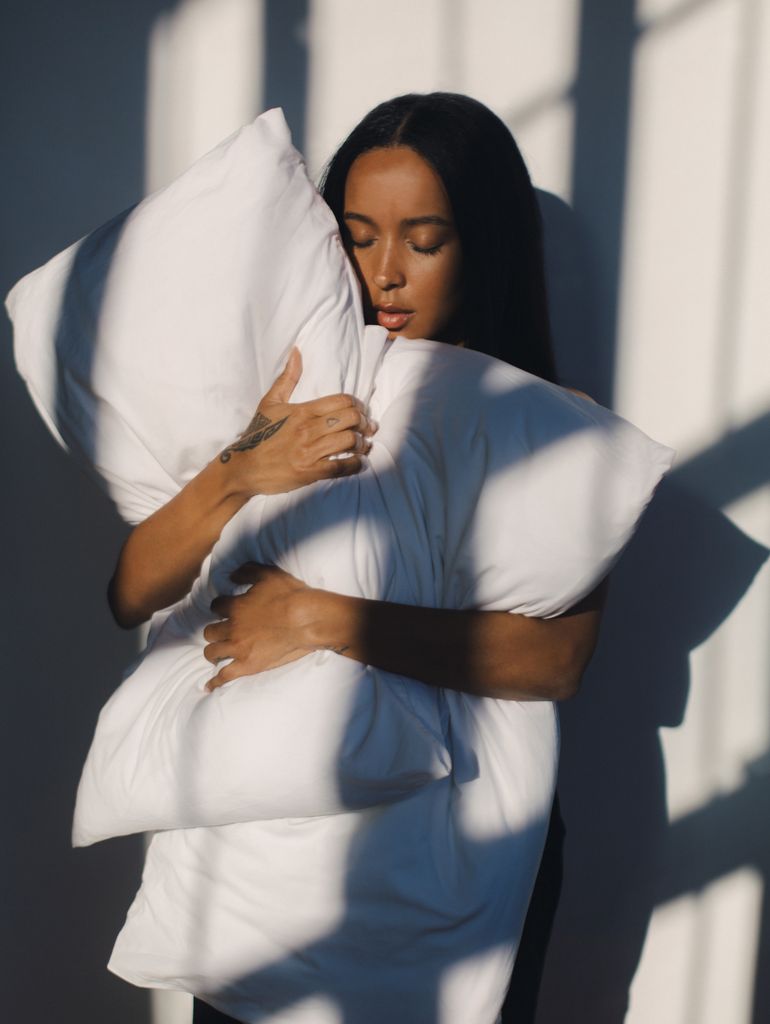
<point>652,120</point>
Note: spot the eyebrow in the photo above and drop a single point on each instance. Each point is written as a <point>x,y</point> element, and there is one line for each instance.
<point>408,222</point>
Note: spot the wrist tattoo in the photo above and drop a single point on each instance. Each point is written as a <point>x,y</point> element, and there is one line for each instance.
<point>260,429</point>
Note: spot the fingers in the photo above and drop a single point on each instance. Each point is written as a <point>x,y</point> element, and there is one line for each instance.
<point>346,429</point>
<point>332,403</point>
<point>217,652</point>
<point>341,441</point>
<point>217,631</point>
<point>350,418</point>
<point>224,675</point>
<point>286,382</point>
<point>330,468</point>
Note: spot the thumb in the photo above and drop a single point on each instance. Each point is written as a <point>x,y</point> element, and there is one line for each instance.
<point>285,383</point>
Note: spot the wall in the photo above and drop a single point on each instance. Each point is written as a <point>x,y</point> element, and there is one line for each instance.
<point>646,126</point>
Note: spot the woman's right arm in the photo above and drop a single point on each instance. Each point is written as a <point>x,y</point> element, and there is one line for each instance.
<point>284,447</point>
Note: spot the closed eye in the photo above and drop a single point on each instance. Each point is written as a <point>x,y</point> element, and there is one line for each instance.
<point>431,250</point>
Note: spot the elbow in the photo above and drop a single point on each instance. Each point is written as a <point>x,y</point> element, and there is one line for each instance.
<point>576,647</point>
<point>562,676</point>
<point>124,615</point>
<point>566,686</point>
<point>568,674</point>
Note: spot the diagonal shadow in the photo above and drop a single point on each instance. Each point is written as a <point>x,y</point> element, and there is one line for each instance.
<point>683,574</point>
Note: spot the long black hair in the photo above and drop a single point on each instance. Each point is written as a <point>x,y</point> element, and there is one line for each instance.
<point>495,210</point>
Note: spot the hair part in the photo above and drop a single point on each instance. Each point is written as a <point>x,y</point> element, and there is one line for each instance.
<point>504,310</point>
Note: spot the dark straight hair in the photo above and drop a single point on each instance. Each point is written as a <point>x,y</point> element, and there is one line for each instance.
<point>504,308</point>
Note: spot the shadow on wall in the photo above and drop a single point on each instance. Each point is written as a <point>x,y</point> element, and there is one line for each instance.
<point>681,576</point>
<point>74,153</point>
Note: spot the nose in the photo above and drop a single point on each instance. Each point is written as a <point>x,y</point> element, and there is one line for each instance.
<point>388,272</point>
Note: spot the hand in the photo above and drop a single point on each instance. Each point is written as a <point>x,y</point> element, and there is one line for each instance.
<point>287,446</point>
<point>260,629</point>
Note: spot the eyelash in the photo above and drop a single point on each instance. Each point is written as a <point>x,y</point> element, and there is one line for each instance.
<point>432,250</point>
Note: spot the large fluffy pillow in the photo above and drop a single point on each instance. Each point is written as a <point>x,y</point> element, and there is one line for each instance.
<point>147,345</point>
<point>485,488</point>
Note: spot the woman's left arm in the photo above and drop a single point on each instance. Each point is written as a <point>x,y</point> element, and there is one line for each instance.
<point>489,654</point>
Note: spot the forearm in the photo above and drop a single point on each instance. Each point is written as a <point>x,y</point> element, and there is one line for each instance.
<point>163,555</point>
<point>490,654</point>
<point>284,447</point>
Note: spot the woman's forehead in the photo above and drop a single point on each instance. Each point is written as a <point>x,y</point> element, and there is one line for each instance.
<point>398,182</point>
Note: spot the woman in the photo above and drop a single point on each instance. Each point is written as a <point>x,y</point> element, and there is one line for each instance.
<point>441,222</point>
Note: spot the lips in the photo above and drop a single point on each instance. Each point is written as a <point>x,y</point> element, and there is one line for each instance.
<point>393,318</point>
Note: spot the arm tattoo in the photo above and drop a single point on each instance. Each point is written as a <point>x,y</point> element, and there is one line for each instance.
<point>260,429</point>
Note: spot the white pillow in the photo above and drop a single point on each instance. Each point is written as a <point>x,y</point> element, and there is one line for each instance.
<point>486,488</point>
<point>542,488</point>
<point>147,345</point>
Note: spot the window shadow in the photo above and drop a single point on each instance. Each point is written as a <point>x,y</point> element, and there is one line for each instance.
<point>74,103</point>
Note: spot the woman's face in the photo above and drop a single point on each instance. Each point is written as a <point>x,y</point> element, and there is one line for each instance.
<point>404,245</point>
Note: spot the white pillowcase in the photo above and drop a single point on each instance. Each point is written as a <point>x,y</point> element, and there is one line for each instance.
<point>371,902</point>
<point>147,345</point>
<point>485,488</point>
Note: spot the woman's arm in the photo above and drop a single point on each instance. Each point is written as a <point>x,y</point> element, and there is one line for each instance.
<point>490,654</point>
<point>284,447</point>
